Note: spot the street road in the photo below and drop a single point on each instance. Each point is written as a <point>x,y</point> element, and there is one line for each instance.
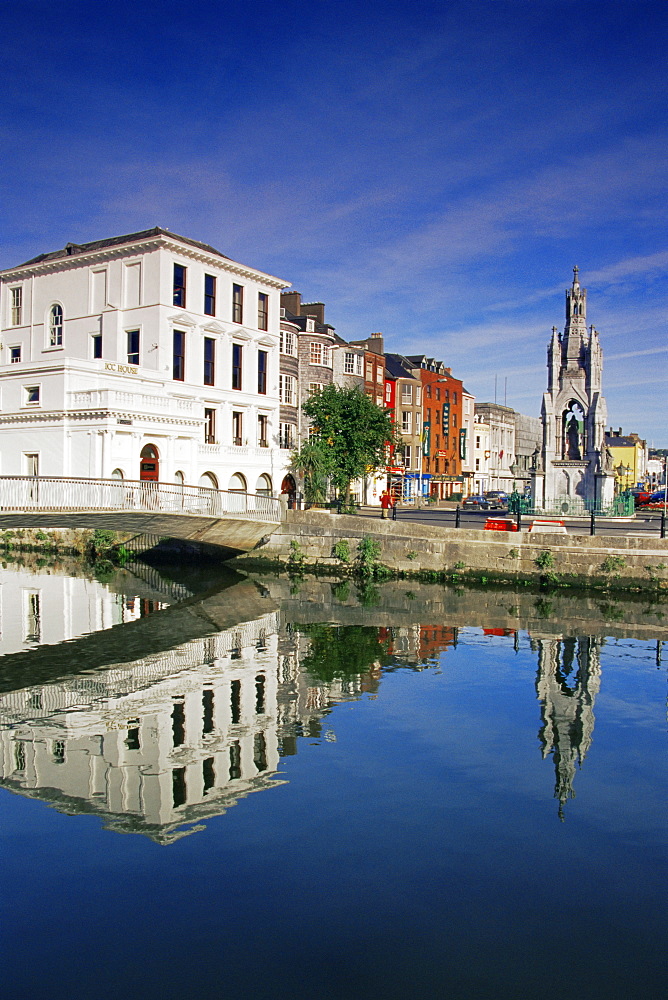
<point>644,524</point>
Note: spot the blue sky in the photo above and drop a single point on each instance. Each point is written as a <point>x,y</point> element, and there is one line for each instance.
<point>429,170</point>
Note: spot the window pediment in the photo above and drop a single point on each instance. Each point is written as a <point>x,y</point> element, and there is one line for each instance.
<point>182,319</point>
<point>214,327</point>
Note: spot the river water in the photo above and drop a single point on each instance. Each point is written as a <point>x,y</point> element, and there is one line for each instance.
<point>215,788</point>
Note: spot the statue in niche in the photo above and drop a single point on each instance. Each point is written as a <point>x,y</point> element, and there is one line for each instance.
<point>573,439</point>
<point>606,459</point>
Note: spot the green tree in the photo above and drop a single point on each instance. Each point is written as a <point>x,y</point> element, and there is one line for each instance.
<point>351,439</point>
<point>343,651</point>
<point>311,461</point>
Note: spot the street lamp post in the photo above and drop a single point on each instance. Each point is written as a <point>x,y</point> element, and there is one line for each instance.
<point>623,474</point>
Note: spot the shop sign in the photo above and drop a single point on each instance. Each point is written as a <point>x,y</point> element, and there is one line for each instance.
<point>111,366</point>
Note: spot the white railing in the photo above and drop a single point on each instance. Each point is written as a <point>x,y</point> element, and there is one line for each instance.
<point>49,494</point>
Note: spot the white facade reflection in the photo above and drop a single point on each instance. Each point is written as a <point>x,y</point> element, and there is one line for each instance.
<point>160,744</point>
<point>39,607</point>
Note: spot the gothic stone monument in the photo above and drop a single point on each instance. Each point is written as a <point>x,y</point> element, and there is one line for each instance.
<point>574,466</point>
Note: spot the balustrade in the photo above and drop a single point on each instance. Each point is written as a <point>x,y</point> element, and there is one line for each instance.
<point>35,493</point>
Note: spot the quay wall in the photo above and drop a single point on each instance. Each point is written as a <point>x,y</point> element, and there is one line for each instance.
<point>308,538</point>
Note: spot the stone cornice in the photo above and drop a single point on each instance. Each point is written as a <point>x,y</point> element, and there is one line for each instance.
<point>64,416</point>
<point>132,249</point>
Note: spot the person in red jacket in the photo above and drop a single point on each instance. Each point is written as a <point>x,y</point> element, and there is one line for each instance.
<point>385,503</point>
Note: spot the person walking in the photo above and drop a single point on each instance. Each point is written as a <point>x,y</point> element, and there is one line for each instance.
<point>385,504</point>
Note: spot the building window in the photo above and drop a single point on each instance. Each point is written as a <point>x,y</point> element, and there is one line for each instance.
<point>359,365</point>
<point>438,416</point>
<point>407,456</point>
<point>418,395</point>
<point>237,360</point>
<point>209,425</point>
<point>316,354</point>
<point>133,347</point>
<point>262,358</point>
<point>31,395</point>
<point>209,295</point>
<point>179,285</point>
<point>418,423</point>
<point>454,397</point>
<point>262,431</point>
<point>237,428</point>
<point>369,373</point>
<point>438,393</point>
<point>237,303</point>
<point>407,394</point>
<point>262,311</point>
<point>454,419</point>
<point>477,465</point>
<point>349,363</point>
<point>17,305</point>
<point>209,361</point>
<point>286,436</point>
<point>380,375</point>
<point>406,421</point>
<point>477,441</point>
<point>33,617</point>
<point>56,326</point>
<point>31,465</point>
<point>14,355</point>
<point>286,390</point>
<point>288,344</point>
<point>179,359</point>
<point>428,391</point>
<point>315,387</point>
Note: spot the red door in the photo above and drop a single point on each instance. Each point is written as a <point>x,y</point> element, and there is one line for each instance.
<point>149,466</point>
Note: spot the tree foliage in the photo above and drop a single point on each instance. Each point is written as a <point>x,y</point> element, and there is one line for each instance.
<point>343,652</point>
<point>351,439</point>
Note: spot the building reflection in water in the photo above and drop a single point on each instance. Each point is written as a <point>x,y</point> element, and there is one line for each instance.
<point>568,680</point>
<point>38,607</point>
<point>160,744</point>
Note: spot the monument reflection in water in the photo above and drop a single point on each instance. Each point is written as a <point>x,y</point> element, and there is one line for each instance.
<point>164,744</point>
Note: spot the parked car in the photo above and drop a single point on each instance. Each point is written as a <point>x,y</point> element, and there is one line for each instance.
<point>497,499</point>
<point>656,499</point>
<point>476,502</point>
<point>640,496</point>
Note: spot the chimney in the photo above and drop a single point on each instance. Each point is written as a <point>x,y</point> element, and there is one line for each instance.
<point>292,301</point>
<point>316,310</point>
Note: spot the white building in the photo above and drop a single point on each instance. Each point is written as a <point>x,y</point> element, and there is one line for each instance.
<point>467,443</point>
<point>500,452</point>
<point>146,356</point>
<point>480,449</point>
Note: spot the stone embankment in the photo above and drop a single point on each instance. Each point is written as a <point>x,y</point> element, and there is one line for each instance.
<point>317,539</point>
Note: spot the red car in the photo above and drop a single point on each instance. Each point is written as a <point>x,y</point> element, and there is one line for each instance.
<point>640,497</point>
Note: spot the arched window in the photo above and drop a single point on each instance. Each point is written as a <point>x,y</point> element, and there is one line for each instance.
<point>208,481</point>
<point>237,483</point>
<point>263,486</point>
<point>118,474</point>
<point>56,326</point>
<point>179,478</point>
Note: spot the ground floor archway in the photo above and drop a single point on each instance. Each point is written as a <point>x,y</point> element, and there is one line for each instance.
<point>149,464</point>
